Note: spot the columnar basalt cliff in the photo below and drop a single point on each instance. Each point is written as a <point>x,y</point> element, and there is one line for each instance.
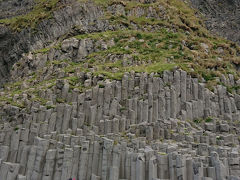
<point>117,90</point>
<point>141,127</point>
<point>13,44</point>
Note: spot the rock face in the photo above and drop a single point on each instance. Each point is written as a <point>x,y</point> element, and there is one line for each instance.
<point>15,8</point>
<point>142,127</point>
<point>67,113</point>
<point>222,17</point>
<point>14,44</point>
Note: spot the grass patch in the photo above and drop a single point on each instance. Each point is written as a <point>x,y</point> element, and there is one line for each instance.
<point>230,89</point>
<point>209,119</point>
<point>197,121</point>
<point>43,51</point>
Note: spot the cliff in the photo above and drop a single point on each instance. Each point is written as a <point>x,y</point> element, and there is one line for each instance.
<point>111,90</point>
<point>222,17</point>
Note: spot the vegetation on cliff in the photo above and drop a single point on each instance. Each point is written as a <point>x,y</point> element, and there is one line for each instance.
<point>145,37</point>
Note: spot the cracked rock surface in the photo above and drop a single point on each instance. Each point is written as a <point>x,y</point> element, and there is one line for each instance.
<point>222,17</point>
<point>118,90</point>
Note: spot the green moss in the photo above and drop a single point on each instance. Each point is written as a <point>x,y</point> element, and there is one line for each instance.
<point>209,119</point>
<point>101,86</point>
<point>123,109</point>
<point>16,128</point>
<point>50,107</point>
<point>115,142</point>
<point>208,76</point>
<point>59,100</point>
<point>197,121</point>
<point>218,137</point>
<point>230,89</point>
<point>43,51</point>
<point>162,153</point>
<point>103,3</point>
<point>73,80</point>
<point>39,99</point>
<point>110,75</point>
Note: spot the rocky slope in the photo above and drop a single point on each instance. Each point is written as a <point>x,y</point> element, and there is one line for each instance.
<point>28,32</point>
<point>222,17</point>
<point>15,8</point>
<point>117,90</point>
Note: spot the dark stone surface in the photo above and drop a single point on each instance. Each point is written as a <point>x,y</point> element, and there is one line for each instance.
<point>222,17</point>
<point>10,8</point>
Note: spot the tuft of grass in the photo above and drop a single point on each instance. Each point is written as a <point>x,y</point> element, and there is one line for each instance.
<point>103,3</point>
<point>197,121</point>
<point>230,89</point>
<point>59,100</point>
<point>73,80</point>
<point>50,107</point>
<point>43,51</point>
<point>16,128</point>
<point>101,86</point>
<point>209,119</point>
